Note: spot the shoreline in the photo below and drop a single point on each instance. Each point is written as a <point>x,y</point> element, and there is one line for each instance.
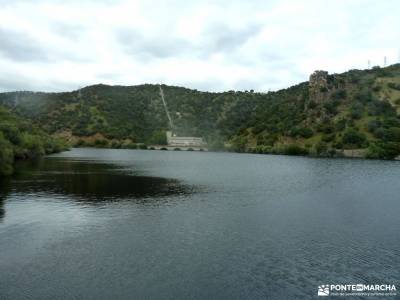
<point>243,152</point>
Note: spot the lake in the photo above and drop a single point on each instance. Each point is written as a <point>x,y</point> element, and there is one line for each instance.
<point>137,224</point>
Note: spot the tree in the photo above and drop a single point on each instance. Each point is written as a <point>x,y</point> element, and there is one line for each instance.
<point>294,149</point>
<point>351,137</point>
<point>158,137</point>
<point>356,111</point>
<point>6,156</point>
<point>321,148</point>
<point>239,143</point>
<point>381,150</point>
<point>33,145</point>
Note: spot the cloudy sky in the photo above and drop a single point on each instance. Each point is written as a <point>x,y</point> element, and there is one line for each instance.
<point>54,45</point>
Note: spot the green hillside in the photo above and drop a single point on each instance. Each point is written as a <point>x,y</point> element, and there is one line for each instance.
<point>353,114</point>
<point>21,140</point>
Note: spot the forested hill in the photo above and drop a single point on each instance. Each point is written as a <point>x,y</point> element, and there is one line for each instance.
<point>135,112</point>
<point>356,112</point>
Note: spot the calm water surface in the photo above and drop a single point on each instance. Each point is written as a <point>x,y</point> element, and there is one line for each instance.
<point>131,224</point>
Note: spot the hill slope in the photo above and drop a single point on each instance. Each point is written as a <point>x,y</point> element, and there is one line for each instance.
<point>354,113</point>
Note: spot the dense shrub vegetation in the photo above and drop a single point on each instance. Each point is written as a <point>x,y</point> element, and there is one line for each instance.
<point>21,140</point>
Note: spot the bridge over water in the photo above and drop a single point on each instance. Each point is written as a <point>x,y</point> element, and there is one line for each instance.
<point>177,148</point>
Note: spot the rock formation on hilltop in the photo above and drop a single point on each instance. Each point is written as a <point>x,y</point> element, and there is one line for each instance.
<point>318,86</point>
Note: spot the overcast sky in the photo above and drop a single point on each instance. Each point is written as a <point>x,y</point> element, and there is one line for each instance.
<point>54,45</point>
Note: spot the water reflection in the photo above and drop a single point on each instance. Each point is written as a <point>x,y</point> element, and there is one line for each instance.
<point>93,182</point>
<point>4,191</point>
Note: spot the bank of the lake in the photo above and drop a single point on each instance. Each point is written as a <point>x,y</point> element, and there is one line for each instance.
<point>20,139</point>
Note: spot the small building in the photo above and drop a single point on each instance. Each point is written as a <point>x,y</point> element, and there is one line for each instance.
<point>180,141</point>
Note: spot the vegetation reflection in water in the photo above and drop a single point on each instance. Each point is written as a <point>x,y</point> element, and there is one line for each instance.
<point>4,190</point>
<point>94,182</point>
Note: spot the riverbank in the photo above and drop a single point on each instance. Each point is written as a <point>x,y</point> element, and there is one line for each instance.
<point>9,155</point>
<point>20,140</point>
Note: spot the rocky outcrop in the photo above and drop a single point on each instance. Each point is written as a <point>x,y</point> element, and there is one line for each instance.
<point>318,86</point>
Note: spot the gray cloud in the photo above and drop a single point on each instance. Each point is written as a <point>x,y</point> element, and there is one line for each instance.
<point>16,82</point>
<point>19,46</point>
<point>20,82</point>
<point>207,84</point>
<point>70,31</point>
<point>218,45</point>
<point>219,38</point>
<point>137,44</point>
<point>225,38</point>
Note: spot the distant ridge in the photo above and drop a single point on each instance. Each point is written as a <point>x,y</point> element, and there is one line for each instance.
<point>355,113</point>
